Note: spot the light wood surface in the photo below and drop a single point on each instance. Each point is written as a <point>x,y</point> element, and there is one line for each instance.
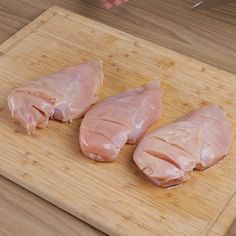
<point>157,16</point>
<point>224,219</point>
<point>113,197</point>
<point>19,208</point>
<point>169,23</point>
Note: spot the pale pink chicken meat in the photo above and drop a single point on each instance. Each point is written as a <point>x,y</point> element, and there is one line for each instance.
<point>63,96</point>
<point>197,141</point>
<point>118,120</point>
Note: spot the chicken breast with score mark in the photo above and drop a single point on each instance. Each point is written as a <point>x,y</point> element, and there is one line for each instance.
<point>197,141</point>
<point>63,96</point>
<point>118,120</point>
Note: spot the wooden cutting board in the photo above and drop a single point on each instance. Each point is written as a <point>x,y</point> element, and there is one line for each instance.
<point>114,197</point>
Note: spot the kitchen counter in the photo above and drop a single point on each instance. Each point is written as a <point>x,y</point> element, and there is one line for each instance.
<point>208,35</point>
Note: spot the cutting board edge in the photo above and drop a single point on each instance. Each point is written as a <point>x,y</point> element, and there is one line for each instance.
<point>29,187</point>
<point>224,218</point>
<point>72,15</point>
<point>55,10</point>
<point>28,29</point>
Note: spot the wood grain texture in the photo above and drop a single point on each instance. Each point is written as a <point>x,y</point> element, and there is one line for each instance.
<point>25,214</point>
<point>156,21</point>
<point>226,219</point>
<point>105,195</point>
<point>208,35</point>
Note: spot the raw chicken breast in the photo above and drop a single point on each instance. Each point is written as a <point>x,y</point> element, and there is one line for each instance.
<point>196,141</point>
<point>123,118</point>
<point>62,96</point>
